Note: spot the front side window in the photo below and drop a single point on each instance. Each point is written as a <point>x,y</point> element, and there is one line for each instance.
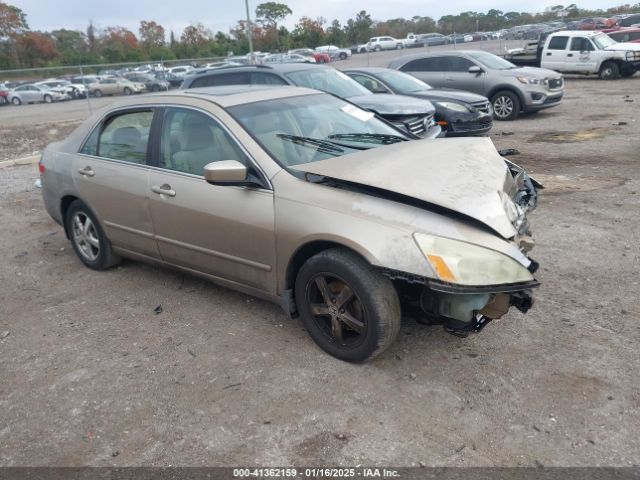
<point>369,83</point>
<point>558,43</point>
<point>581,44</point>
<point>261,78</point>
<point>458,64</point>
<point>123,137</point>
<point>191,140</point>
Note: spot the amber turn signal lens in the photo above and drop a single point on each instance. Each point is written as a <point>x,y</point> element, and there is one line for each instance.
<point>441,268</point>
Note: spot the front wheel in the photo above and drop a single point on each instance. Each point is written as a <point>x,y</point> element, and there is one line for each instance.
<point>399,46</point>
<point>343,56</point>
<point>16,101</point>
<point>609,71</point>
<point>88,240</point>
<point>48,99</point>
<point>350,309</point>
<point>127,91</point>
<point>98,93</point>
<point>506,105</point>
<point>378,48</point>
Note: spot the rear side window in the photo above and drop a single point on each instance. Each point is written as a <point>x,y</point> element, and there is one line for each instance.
<point>238,78</point>
<point>431,64</point>
<point>558,43</point>
<point>123,137</point>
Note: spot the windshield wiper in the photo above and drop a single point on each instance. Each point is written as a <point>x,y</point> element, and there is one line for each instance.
<point>383,138</point>
<point>322,146</point>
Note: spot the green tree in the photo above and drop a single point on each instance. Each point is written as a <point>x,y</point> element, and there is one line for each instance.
<point>270,13</point>
<point>359,30</point>
<point>308,32</point>
<point>335,34</point>
<point>151,35</point>
<point>36,49</point>
<point>13,21</point>
<point>72,45</point>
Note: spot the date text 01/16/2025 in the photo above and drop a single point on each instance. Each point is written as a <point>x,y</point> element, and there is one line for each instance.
<point>361,472</point>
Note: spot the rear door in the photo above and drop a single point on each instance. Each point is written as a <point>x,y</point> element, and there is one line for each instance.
<point>222,230</point>
<point>554,56</point>
<point>111,175</point>
<point>428,69</point>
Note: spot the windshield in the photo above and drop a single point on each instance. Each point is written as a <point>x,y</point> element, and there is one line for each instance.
<point>403,82</point>
<point>328,80</point>
<point>491,61</point>
<point>603,41</point>
<point>310,128</point>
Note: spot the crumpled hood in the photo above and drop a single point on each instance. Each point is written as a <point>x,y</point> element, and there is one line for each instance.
<point>466,175</point>
<point>387,104</point>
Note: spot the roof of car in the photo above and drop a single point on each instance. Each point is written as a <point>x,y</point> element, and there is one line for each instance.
<point>231,95</point>
<point>405,58</point>
<point>367,69</point>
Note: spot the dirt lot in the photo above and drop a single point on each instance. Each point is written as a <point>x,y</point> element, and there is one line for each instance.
<point>92,376</point>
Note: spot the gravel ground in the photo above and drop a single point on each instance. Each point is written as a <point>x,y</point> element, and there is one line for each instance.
<point>92,376</point>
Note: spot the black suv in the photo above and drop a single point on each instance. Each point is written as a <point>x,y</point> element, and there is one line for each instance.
<point>411,115</point>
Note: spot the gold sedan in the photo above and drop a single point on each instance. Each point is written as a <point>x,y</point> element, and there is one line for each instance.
<point>115,86</point>
<point>304,199</point>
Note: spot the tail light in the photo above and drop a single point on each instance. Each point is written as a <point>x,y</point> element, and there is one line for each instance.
<point>41,167</point>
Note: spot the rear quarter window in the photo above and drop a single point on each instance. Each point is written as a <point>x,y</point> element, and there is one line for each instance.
<point>431,64</point>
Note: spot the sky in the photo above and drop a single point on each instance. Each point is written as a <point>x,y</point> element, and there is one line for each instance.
<point>220,15</point>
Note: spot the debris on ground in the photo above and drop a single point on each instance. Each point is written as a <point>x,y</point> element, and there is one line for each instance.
<point>158,310</point>
<point>505,152</point>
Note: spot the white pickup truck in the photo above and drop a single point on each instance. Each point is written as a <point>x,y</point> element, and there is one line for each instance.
<point>582,52</point>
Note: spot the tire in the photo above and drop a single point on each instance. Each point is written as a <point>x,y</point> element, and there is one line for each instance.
<point>16,101</point>
<point>98,93</point>
<point>399,46</point>
<point>609,71</point>
<point>377,48</point>
<point>48,99</point>
<point>127,91</point>
<point>369,304</point>
<point>87,238</point>
<point>343,56</point>
<point>506,105</point>
<point>155,88</point>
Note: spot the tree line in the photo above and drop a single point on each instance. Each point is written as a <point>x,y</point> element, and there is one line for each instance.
<point>21,47</point>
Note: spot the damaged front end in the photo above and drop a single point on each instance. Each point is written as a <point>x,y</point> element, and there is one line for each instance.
<point>463,299</point>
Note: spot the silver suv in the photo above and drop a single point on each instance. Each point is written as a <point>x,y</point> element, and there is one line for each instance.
<point>512,90</point>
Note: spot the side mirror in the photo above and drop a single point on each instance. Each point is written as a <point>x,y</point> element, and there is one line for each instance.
<point>225,172</point>
<point>475,69</point>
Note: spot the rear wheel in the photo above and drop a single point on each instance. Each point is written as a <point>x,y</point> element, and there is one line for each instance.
<point>343,56</point>
<point>88,240</point>
<point>399,46</point>
<point>609,71</point>
<point>378,48</point>
<point>98,93</point>
<point>155,88</point>
<point>506,105</point>
<point>350,309</point>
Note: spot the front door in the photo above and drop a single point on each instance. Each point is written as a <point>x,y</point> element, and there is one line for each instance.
<point>457,74</point>
<point>581,56</point>
<point>111,176</point>
<point>224,231</point>
<point>554,57</point>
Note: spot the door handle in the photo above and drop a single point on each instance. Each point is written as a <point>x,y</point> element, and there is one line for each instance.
<point>163,190</point>
<point>569,54</point>
<point>87,171</point>
<point>548,54</point>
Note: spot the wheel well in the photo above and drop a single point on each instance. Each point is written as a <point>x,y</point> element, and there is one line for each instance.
<point>304,253</point>
<point>64,207</point>
<point>509,89</point>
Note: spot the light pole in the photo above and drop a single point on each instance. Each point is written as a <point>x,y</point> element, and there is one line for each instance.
<point>246,3</point>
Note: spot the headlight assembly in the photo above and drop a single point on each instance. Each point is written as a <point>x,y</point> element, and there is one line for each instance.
<point>467,264</point>
<point>456,107</point>
<point>530,81</point>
